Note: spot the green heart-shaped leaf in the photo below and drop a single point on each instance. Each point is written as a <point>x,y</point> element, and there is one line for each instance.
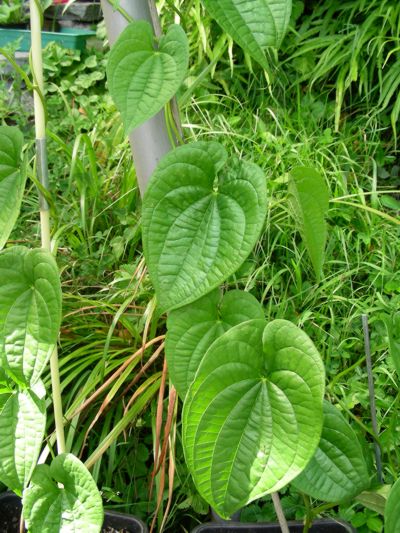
<point>202,216</point>
<point>22,427</point>
<point>253,24</point>
<point>338,470</point>
<point>392,510</point>
<point>309,196</point>
<point>193,328</point>
<point>252,417</point>
<point>143,79</point>
<point>74,507</point>
<point>30,312</point>
<point>12,179</point>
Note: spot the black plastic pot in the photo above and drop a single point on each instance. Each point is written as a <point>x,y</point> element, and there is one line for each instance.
<point>10,513</point>
<point>319,526</point>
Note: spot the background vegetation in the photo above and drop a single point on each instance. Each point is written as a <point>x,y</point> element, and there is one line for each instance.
<point>331,100</point>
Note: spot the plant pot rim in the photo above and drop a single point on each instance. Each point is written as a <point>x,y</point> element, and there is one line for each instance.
<point>232,527</point>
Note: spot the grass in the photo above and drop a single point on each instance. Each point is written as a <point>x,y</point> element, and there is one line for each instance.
<point>285,118</point>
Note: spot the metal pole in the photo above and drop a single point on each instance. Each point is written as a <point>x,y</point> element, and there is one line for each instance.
<point>150,141</point>
<point>371,390</point>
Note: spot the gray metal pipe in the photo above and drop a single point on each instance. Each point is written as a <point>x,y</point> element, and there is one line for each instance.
<point>149,142</point>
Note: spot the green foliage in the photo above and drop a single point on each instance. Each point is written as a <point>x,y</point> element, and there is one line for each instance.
<point>75,504</point>
<point>310,203</point>
<point>286,122</point>
<point>22,426</point>
<point>12,12</point>
<point>30,312</point>
<point>141,79</point>
<point>253,24</point>
<point>392,323</point>
<point>338,470</point>
<point>199,207</point>
<point>352,47</point>
<point>12,179</point>
<point>253,415</point>
<point>193,328</point>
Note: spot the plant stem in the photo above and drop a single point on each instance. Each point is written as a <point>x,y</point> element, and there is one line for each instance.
<point>118,8</point>
<point>42,172</point>
<point>309,518</point>
<point>279,512</point>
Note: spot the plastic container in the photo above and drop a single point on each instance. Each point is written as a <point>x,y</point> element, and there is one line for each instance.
<point>319,526</point>
<point>73,38</point>
<point>10,512</point>
<point>78,11</point>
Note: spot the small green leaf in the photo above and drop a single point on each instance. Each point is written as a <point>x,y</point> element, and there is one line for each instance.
<point>252,417</point>
<point>202,216</point>
<point>75,506</point>
<point>193,328</point>
<point>30,312</point>
<point>392,323</point>
<point>22,427</point>
<point>392,510</point>
<point>375,500</point>
<point>143,79</point>
<point>338,470</point>
<point>12,179</point>
<point>310,203</point>
<point>253,24</point>
<point>374,524</point>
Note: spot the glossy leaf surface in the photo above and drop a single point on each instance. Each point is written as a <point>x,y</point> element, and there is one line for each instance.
<point>253,24</point>
<point>202,215</point>
<point>74,507</point>
<point>193,328</point>
<point>141,78</point>
<point>252,418</point>
<point>12,179</point>
<point>338,470</point>
<point>22,427</point>
<point>392,510</point>
<point>30,312</point>
<point>310,203</point>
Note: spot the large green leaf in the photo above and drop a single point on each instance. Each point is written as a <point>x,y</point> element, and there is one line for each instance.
<point>193,328</point>
<point>392,510</point>
<point>252,417</point>
<point>338,470</point>
<point>143,79</point>
<point>75,506</point>
<point>253,24</point>
<point>310,203</point>
<point>30,312</point>
<point>12,179</point>
<point>202,215</point>
<point>22,427</point>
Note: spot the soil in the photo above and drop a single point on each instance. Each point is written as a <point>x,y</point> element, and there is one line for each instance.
<point>9,521</point>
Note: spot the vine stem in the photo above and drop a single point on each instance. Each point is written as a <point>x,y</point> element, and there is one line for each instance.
<point>42,173</point>
<point>279,513</point>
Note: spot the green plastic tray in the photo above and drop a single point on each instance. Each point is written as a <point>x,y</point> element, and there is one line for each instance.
<point>73,38</point>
